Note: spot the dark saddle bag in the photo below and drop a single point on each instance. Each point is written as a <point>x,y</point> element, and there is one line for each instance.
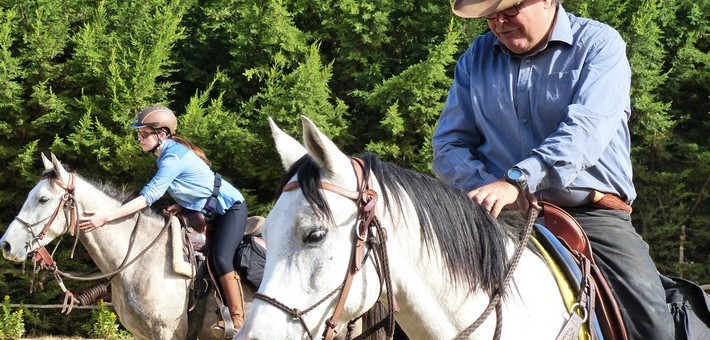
<point>690,307</point>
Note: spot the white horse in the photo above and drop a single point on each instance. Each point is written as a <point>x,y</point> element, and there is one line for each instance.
<point>151,300</point>
<point>446,256</point>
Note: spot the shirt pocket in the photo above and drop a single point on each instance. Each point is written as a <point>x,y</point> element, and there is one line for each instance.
<point>556,92</point>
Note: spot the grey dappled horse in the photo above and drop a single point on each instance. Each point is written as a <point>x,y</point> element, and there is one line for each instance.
<point>151,300</point>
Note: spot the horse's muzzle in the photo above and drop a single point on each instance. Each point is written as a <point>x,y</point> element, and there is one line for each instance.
<point>8,254</point>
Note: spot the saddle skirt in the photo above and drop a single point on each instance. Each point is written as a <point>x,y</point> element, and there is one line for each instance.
<point>565,238</point>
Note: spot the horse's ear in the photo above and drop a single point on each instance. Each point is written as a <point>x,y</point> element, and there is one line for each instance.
<point>46,162</point>
<point>323,150</point>
<point>288,148</point>
<point>62,173</point>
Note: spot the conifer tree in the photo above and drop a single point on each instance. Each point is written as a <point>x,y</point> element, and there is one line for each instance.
<point>411,102</point>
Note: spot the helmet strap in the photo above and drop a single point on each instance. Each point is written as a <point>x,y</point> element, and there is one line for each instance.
<point>157,145</point>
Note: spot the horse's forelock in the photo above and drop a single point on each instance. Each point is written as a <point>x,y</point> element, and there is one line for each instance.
<point>50,174</point>
<point>309,178</point>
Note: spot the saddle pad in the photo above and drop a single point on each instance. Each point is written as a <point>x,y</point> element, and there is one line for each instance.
<point>566,272</point>
<point>181,264</point>
<point>561,255</point>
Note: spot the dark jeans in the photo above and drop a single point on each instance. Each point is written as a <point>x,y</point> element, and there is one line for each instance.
<point>227,233</point>
<point>622,256</point>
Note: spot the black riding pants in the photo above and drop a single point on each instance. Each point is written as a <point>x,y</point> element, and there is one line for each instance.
<point>622,256</point>
<point>227,233</point>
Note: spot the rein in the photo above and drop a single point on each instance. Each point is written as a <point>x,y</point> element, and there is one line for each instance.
<point>368,229</point>
<point>495,301</point>
<point>45,260</point>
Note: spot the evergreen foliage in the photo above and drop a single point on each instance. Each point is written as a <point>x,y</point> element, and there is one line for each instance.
<point>372,74</point>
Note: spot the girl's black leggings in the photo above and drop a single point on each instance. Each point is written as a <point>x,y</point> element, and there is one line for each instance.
<point>228,231</point>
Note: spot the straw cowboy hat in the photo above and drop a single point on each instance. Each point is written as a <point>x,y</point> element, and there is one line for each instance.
<point>480,8</point>
<point>254,224</point>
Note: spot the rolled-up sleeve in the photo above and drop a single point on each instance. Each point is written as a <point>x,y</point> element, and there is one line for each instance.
<point>169,167</point>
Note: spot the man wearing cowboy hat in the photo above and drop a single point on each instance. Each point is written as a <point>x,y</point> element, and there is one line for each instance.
<point>538,109</point>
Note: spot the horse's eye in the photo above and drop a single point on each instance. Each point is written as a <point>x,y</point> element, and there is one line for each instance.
<point>43,199</point>
<point>316,236</point>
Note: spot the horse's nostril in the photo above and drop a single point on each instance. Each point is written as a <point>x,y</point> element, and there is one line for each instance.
<point>6,248</point>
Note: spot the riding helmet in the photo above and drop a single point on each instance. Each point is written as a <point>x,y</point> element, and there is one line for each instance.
<point>156,116</point>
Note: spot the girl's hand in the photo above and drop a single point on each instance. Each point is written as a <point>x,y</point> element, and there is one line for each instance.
<point>173,209</point>
<point>92,220</point>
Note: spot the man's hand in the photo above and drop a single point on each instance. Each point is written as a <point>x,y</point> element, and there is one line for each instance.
<point>495,196</point>
<point>92,220</point>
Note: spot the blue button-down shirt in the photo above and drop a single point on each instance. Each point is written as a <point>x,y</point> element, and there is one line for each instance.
<point>188,180</point>
<point>560,114</point>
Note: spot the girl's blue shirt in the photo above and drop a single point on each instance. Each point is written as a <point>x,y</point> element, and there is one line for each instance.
<point>188,179</point>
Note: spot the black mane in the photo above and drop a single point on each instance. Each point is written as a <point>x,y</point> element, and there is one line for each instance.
<point>472,242</point>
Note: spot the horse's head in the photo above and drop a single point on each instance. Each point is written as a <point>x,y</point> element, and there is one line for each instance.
<point>310,233</point>
<point>46,214</point>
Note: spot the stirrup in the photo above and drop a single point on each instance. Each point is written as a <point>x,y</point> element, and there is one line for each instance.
<point>224,329</point>
<point>218,331</point>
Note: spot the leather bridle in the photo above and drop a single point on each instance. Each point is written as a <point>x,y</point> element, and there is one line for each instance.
<point>368,230</point>
<point>67,202</point>
<point>42,257</point>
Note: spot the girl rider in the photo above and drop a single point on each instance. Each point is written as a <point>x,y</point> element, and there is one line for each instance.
<point>184,172</point>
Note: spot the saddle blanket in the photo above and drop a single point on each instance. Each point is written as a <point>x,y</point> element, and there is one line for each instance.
<point>181,262</point>
<point>566,273</point>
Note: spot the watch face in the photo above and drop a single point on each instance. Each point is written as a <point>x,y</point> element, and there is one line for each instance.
<point>515,174</point>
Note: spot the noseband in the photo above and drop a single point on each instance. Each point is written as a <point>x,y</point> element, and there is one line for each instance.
<point>367,230</point>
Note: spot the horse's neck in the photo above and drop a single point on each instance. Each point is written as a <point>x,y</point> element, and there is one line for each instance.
<point>109,244</point>
<point>431,307</point>
<point>430,304</point>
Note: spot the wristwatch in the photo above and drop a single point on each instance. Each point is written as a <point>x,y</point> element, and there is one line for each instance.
<point>516,176</point>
